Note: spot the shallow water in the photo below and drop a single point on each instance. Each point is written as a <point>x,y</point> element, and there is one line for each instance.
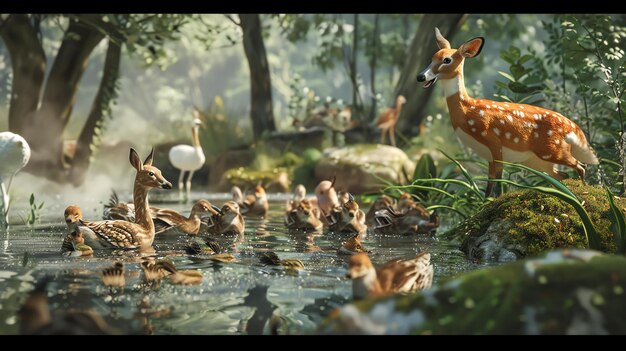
<point>233,298</point>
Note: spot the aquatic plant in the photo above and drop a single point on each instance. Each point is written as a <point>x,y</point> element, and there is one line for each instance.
<point>34,213</point>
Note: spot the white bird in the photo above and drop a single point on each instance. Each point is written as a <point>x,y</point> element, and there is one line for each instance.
<point>14,155</point>
<point>188,158</point>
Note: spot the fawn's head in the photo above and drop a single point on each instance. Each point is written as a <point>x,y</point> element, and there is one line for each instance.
<point>147,175</point>
<point>447,63</point>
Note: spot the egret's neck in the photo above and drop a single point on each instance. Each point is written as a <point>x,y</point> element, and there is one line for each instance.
<point>195,139</point>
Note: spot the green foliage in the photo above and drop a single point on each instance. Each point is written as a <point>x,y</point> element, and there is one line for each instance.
<point>618,226</point>
<point>34,214</point>
<point>563,193</point>
<point>219,131</point>
<point>525,77</point>
<point>453,188</point>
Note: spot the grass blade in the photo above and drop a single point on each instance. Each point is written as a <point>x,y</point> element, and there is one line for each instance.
<point>618,220</point>
<point>464,172</point>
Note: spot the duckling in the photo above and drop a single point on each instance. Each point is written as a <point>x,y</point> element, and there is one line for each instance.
<point>379,204</point>
<point>352,246</point>
<point>155,270</point>
<point>36,318</point>
<point>347,218</point>
<point>79,249</point>
<point>326,196</point>
<point>395,276</point>
<point>270,258</point>
<point>405,202</point>
<point>114,276</point>
<point>303,216</point>
<point>209,249</point>
<point>164,219</point>
<point>167,219</point>
<point>414,220</point>
<point>228,221</point>
<point>253,205</point>
<point>73,218</point>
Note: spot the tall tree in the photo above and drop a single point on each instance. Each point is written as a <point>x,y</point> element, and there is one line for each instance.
<point>261,108</point>
<point>40,107</point>
<point>420,53</point>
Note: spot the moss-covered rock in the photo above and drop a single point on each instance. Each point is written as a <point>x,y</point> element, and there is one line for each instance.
<point>275,180</point>
<point>563,292</point>
<point>527,222</point>
<point>363,167</point>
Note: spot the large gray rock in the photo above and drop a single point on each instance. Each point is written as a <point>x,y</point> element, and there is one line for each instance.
<point>359,168</point>
<point>561,292</point>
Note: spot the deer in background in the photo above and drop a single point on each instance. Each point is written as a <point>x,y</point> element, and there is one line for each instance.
<point>501,131</point>
<point>387,120</point>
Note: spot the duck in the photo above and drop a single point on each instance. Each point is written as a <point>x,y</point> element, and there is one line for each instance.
<point>254,204</point>
<point>138,234</point>
<point>303,216</point>
<point>380,203</point>
<point>228,220</point>
<point>352,246</point>
<point>208,249</point>
<point>164,219</point>
<point>114,276</point>
<point>415,219</point>
<point>395,276</point>
<point>79,249</point>
<point>326,195</point>
<point>36,318</point>
<point>155,270</point>
<point>78,234</point>
<point>270,258</point>
<point>347,218</point>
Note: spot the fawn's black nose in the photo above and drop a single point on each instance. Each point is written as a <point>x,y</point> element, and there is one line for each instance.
<point>166,185</point>
<point>421,77</point>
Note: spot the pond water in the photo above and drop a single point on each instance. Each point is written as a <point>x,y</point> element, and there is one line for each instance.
<point>233,298</point>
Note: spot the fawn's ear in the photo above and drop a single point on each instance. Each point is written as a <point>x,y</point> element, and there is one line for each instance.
<point>148,161</point>
<point>472,47</point>
<point>135,160</point>
<point>332,181</point>
<point>442,42</point>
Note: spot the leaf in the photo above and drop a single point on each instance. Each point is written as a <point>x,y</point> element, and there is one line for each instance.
<point>525,59</point>
<point>425,168</point>
<point>517,71</point>
<point>32,199</point>
<point>619,224</point>
<point>507,76</point>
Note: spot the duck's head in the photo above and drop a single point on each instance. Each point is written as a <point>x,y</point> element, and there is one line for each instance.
<point>73,214</point>
<point>359,265</point>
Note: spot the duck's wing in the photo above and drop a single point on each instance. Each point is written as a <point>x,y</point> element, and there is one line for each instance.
<point>406,275</point>
<point>67,245</point>
<point>165,219</point>
<point>116,233</point>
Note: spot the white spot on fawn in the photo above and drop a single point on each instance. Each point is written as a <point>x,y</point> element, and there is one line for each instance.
<point>507,135</point>
<point>535,125</point>
<point>521,106</point>
<point>473,130</point>
<point>571,123</point>
<point>557,141</point>
<point>502,121</point>
<point>501,108</point>
<point>483,133</point>
<point>521,114</point>
<point>472,107</point>
<point>516,140</point>
<point>549,133</point>
<point>510,118</point>
<point>481,113</point>
<point>497,131</point>
<point>470,122</point>
<point>536,135</point>
<point>507,105</point>
<point>546,157</point>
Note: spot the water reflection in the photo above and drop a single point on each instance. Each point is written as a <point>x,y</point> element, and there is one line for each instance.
<point>233,297</point>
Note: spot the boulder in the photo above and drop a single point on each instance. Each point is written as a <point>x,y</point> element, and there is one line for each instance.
<point>527,222</point>
<point>364,167</point>
<point>561,292</point>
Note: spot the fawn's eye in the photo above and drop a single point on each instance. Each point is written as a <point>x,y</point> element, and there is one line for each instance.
<point>447,60</point>
<point>151,174</point>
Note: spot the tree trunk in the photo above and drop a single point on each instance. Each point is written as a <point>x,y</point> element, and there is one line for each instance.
<point>353,63</point>
<point>420,53</point>
<point>45,133</point>
<point>261,110</point>
<point>375,41</point>
<point>99,109</point>
<point>28,62</point>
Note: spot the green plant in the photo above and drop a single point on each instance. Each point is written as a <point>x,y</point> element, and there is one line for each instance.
<point>34,214</point>
<point>525,80</point>
<point>619,224</point>
<point>562,192</point>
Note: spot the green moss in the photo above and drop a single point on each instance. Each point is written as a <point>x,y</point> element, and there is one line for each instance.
<point>510,299</point>
<point>540,221</point>
<point>246,177</point>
